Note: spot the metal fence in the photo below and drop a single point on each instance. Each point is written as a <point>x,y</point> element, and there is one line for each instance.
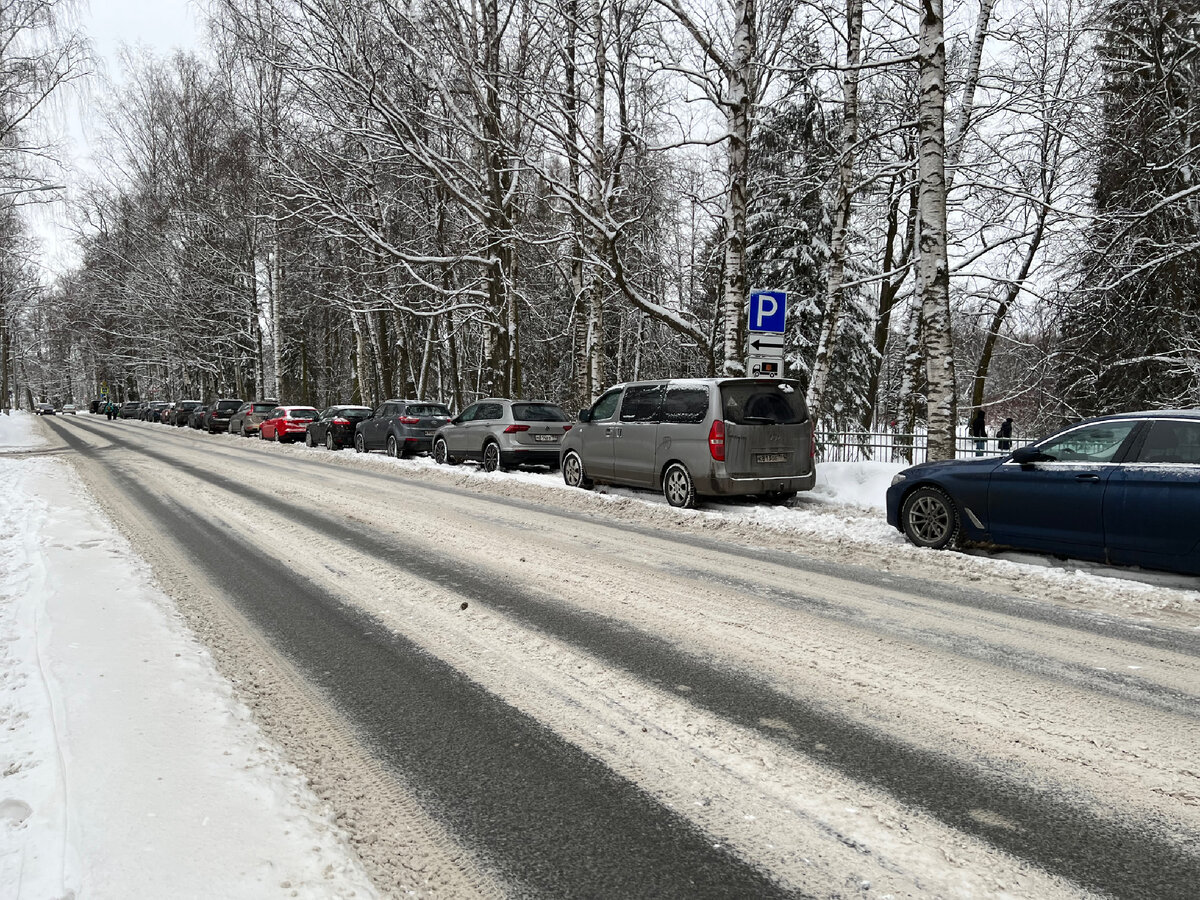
<point>892,447</point>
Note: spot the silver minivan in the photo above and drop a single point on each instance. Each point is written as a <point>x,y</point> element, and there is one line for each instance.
<point>718,437</point>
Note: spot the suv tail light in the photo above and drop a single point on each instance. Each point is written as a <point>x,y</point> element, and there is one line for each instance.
<point>513,429</point>
<point>716,440</point>
<point>408,420</point>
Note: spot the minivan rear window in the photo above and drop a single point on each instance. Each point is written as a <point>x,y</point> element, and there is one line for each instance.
<point>762,404</point>
<point>538,412</point>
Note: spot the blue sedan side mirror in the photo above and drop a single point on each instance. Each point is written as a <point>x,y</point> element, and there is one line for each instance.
<point>1026,455</point>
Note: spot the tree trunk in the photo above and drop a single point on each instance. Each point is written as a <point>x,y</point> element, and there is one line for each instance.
<point>738,111</point>
<point>933,276</point>
<point>842,209</point>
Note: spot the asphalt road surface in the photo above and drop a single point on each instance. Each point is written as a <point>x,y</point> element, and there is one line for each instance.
<point>514,691</point>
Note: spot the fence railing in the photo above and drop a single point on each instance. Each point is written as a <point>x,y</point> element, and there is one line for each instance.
<point>889,446</point>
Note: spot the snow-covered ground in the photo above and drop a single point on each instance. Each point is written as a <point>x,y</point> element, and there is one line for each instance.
<point>129,769</point>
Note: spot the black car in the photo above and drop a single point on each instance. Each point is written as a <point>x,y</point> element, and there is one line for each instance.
<point>184,410</point>
<point>216,419</point>
<point>1121,489</point>
<point>44,409</point>
<point>401,427</point>
<point>130,409</point>
<point>335,426</point>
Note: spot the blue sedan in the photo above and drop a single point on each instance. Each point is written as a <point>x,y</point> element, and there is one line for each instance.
<point>1121,489</point>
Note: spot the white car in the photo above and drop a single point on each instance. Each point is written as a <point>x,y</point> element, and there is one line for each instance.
<point>68,409</point>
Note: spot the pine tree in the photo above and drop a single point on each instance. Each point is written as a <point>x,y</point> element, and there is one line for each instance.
<point>1131,335</point>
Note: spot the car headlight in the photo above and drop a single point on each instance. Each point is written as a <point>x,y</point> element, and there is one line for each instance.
<point>899,477</point>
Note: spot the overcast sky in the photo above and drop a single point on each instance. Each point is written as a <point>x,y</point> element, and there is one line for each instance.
<point>159,26</point>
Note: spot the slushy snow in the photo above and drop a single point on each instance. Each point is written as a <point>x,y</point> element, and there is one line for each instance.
<point>129,769</point>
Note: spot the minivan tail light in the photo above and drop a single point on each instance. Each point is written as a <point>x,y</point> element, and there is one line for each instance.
<point>513,429</point>
<point>408,420</point>
<point>716,440</point>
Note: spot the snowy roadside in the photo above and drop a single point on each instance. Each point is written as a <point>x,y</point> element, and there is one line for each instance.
<point>129,768</point>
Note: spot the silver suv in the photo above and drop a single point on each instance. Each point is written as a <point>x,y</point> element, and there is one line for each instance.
<point>703,436</point>
<point>502,433</point>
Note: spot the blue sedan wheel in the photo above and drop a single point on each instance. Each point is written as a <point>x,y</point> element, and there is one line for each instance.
<point>929,518</point>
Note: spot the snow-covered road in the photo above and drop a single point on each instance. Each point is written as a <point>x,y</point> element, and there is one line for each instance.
<point>815,700</point>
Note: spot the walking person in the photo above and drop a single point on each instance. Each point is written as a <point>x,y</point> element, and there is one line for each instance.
<point>978,430</point>
<point>1004,433</point>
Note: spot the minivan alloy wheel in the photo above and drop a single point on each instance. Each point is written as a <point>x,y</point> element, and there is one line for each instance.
<point>573,474</point>
<point>678,487</point>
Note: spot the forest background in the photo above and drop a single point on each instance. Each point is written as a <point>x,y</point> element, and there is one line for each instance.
<point>992,206</point>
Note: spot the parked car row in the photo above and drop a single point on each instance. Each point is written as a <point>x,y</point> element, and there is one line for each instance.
<point>1121,489</point>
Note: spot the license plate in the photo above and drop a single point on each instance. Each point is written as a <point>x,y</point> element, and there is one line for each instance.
<point>428,433</point>
<point>770,457</point>
<point>546,438</point>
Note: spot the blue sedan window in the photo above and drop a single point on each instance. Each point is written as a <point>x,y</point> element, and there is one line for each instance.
<point>1172,442</point>
<point>1097,443</point>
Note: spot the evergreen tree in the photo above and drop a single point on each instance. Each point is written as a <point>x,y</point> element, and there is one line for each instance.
<point>1131,333</point>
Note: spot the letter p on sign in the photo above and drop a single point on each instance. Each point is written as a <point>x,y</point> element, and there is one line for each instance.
<point>768,311</point>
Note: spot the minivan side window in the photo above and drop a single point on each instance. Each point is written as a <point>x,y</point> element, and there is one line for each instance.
<point>606,406</point>
<point>686,404</point>
<point>642,403</point>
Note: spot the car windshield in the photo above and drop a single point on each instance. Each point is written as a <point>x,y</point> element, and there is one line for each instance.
<point>757,403</point>
<point>538,412</point>
<point>427,409</point>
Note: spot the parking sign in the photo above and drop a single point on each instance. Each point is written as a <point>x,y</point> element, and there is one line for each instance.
<point>768,311</point>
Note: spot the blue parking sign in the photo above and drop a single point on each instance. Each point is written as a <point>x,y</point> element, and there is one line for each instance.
<point>768,311</point>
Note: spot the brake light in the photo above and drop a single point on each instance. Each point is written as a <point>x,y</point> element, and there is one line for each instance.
<point>513,429</point>
<point>716,440</point>
<point>568,427</point>
<point>340,421</point>
<point>408,420</point>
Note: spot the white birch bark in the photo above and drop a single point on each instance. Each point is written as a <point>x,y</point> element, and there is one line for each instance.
<point>739,111</point>
<point>933,276</point>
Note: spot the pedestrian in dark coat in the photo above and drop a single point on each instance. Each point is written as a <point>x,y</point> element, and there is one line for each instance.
<point>977,428</point>
<point>1004,433</point>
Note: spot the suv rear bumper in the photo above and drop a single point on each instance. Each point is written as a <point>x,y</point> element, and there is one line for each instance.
<point>538,457</point>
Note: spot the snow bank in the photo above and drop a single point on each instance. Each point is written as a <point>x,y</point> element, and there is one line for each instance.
<point>130,770</point>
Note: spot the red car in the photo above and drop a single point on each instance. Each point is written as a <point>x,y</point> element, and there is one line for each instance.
<point>286,423</point>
